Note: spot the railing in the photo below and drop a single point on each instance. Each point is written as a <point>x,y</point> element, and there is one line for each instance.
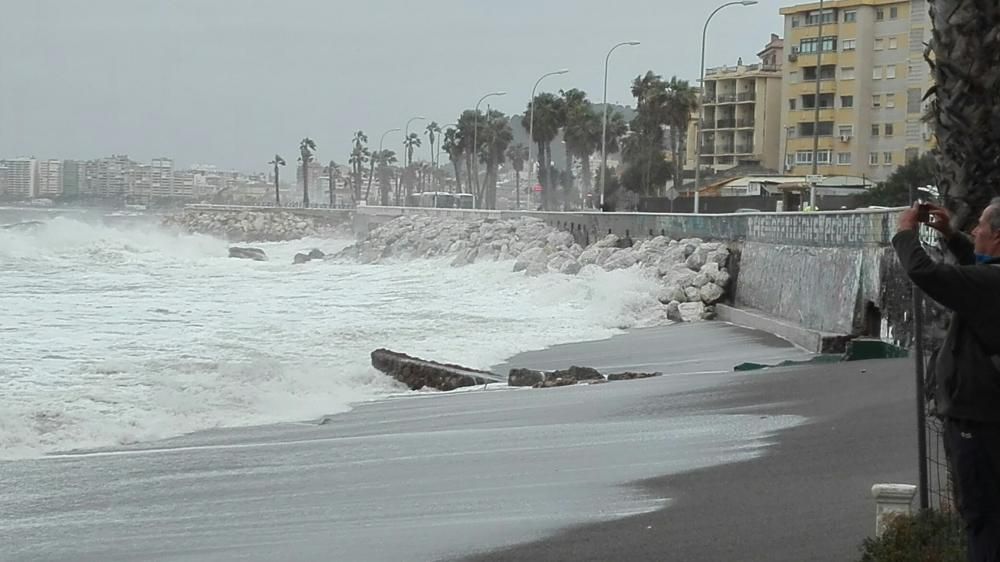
<point>728,98</point>
<point>746,96</point>
<point>725,124</point>
<point>744,149</point>
<point>745,123</point>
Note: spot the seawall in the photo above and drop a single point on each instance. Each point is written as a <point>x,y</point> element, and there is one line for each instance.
<point>830,275</point>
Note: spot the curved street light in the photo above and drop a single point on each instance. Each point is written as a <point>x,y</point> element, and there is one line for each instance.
<point>604,120</point>
<point>701,96</point>
<point>531,120</point>
<point>475,135</point>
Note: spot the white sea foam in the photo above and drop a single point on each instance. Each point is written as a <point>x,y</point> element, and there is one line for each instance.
<point>116,335</point>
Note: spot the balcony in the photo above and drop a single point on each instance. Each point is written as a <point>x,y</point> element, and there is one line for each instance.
<point>745,123</point>
<point>744,149</point>
<point>728,98</point>
<point>724,149</point>
<point>708,150</point>
<point>725,124</point>
<point>746,96</point>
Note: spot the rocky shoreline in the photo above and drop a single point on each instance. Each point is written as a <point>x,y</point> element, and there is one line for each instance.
<point>692,274</point>
<point>259,226</point>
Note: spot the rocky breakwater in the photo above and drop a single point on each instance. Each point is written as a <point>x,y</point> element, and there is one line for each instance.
<point>691,274</point>
<point>239,226</point>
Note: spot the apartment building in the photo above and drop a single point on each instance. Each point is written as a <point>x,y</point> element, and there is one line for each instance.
<point>112,177</point>
<point>742,113</point>
<point>19,178</point>
<point>872,77</point>
<point>50,178</point>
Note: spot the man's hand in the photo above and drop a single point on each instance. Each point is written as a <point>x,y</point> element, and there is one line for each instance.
<point>908,219</point>
<point>940,220</point>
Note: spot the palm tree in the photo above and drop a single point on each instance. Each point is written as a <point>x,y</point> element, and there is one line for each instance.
<point>651,96</point>
<point>307,148</point>
<point>278,161</point>
<point>452,145</point>
<point>384,159</point>
<point>496,136</point>
<point>517,154</point>
<point>433,132</point>
<point>466,124</point>
<point>965,112</point>
<point>582,132</point>
<point>550,115</point>
<point>359,155</point>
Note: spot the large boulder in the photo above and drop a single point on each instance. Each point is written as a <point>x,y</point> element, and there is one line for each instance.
<point>576,374</point>
<point>691,311</point>
<point>628,376</point>
<point>525,377</point>
<point>711,293</point>
<point>316,254</point>
<point>255,254</point>
<point>419,373</point>
<point>534,256</point>
<point>622,259</point>
<point>301,258</point>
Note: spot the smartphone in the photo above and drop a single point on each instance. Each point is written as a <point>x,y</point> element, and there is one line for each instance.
<point>923,213</point>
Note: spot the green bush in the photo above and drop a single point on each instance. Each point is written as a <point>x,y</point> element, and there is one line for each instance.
<point>928,536</point>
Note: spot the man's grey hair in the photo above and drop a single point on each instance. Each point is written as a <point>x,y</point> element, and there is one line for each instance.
<point>995,215</point>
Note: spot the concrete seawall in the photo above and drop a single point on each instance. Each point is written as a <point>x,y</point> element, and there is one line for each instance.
<point>831,274</point>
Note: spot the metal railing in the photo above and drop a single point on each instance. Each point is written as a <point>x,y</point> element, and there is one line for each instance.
<point>745,123</point>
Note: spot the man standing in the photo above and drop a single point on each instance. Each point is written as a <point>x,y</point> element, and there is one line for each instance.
<point>967,369</point>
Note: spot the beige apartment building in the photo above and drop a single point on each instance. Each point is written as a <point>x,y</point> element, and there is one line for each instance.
<point>872,78</point>
<point>742,113</point>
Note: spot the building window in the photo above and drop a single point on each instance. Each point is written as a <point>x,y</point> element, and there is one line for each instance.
<point>890,100</point>
<point>873,158</point>
<point>876,101</point>
<point>888,129</point>
<point>795,21</point>
<point>845,131</point>
<point>879,44</point>
<point>893,12</point>
<point>843,158</point>
<point>813,17</point>
<point>847,73</point>
<point>804,157</point>
<point>791,104</point>
<point>893,43</point>
<point>826,128</point>
<point>887,158</point>
<point>846,101</point>
<point>826,72</point>
<point>850,44</point>
<point>875,129</point>
<point>877,73</point>
<point>879,14</point>
<point>890,71</point>
<point>808,46</point>
<point>823,156</point>
<point>849,16</point>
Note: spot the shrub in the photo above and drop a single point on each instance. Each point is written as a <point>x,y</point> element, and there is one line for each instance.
<point>928,536</point>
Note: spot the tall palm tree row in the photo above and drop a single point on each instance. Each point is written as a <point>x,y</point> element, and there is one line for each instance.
<point>582,134</point>
<point>965,111</point>
<point>433,132</point>
<point>453,146</point>
<point>307,150</point>
<point>550,115</point>
<point>495,136</point>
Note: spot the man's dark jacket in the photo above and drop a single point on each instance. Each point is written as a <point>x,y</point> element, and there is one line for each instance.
<point>967,382</point>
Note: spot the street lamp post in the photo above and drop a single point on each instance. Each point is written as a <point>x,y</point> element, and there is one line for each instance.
<point>819,77</point>
<point>475,136</point>
<point>701,95</point>
<point>531,120</point>
<point>604,120</point>
<point>406,154</point>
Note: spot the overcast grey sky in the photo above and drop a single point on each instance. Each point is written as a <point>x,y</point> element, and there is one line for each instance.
<point>231,82</point>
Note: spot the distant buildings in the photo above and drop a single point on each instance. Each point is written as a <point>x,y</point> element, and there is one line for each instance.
<point>19,178</point>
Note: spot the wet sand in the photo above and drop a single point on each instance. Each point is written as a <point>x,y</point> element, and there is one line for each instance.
<point>807,498</point>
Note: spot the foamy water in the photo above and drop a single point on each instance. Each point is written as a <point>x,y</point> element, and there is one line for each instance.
<point>116,335</point>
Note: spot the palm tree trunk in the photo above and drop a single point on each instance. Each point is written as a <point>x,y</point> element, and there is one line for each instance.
<point>585,170</point>
<point>371,176</point>
<point>468,172</point>
<point>305,184</point>
<point>965,113</point>
<point>458,175</point>
<point>277,194</point>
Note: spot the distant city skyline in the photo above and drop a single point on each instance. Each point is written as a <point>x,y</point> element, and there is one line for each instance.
<point>215,81</point>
